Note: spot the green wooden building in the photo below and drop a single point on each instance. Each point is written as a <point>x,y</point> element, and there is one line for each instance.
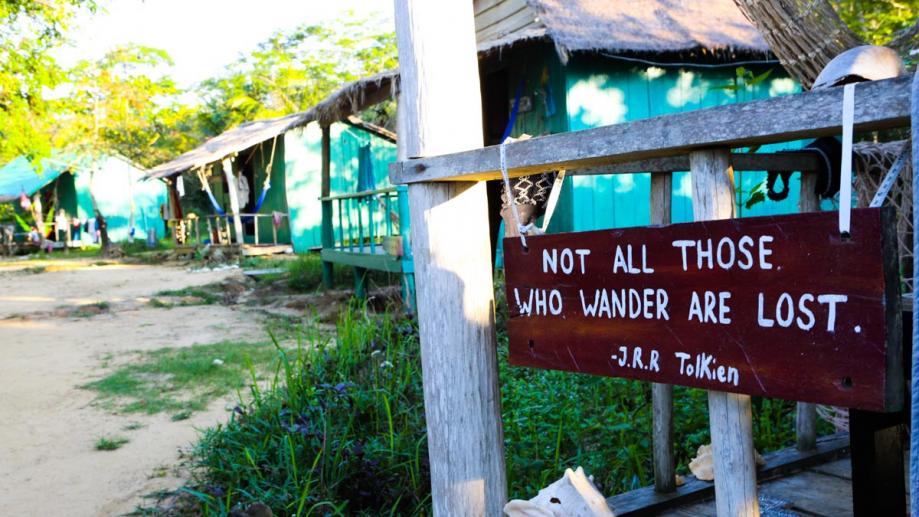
<point>281,161</point>
<point>581,64</point>
<point>131,207</point>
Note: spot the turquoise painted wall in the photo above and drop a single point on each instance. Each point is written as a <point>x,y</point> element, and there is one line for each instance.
<point>603,91</point>
<point>119,191</point>
<point>303,160</point>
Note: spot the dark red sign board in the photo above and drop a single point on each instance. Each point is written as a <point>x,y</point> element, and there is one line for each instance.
<point>782,307</point>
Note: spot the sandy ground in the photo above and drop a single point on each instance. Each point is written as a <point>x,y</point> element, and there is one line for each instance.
<point>48,427</point>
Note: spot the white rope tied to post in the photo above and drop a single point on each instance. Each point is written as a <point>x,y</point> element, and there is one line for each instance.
<point>522,229</point>
<point>845,173</point>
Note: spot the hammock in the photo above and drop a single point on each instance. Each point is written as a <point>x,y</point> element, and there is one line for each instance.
<point>266,185</point>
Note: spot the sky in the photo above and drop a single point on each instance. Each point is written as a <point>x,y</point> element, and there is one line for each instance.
<point>201,36</point>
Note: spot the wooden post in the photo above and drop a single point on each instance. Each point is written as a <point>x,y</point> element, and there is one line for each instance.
<point>662,394</point>
<point>878,487</point>
<point>806,414</point>
<point>441,113</point>
<point>233,190</point>
<point>327,237</point>
<point>730,414</point>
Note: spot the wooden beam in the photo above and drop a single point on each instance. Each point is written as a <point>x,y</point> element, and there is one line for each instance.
<point>781,161</point>
<point>327,235</point>
<point>233,191</point>
<point>806,412</point>
<point>879,105</point>
<point>730,414</point>
<point>662,394</point>
<point>441,113</point>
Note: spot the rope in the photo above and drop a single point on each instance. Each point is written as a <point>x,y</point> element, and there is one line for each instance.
<point>206,187</point>
<point>522,229</point>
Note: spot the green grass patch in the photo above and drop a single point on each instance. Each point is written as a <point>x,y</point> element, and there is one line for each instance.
<point>91,309</point>
<point>201,295</point>
<point>340,428</point>
<point>305,275</point>
<point>180,380</point>
<point>110,444</point>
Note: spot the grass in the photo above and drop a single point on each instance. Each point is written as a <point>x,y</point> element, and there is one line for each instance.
<point>205,295</point>
<point>339,428</point>
<point>110,444</point>
<point>91,309</point>
<point>305,275</point>
<point>180,380</point>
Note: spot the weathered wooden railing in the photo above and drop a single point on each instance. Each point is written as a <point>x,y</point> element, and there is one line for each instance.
<point>369,230</point>
<point>219,229</point>
<point>699,141</point>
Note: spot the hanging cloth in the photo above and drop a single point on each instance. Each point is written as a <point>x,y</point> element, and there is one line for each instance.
<point>365,179</point>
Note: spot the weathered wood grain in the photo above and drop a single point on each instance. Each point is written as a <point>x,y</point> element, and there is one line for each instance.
<point>879,105</point>
<point>647,501</point>
<point>730,415</point>
<point>782,161</point>
<point>853,363</point>
<point>806,412</point>
<point>440,112</point>
<point>662,394</point>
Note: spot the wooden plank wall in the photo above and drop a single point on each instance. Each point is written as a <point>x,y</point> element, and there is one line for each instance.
<point>496,19</point>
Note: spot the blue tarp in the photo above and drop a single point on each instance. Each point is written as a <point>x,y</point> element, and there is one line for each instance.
<point>20,175</point>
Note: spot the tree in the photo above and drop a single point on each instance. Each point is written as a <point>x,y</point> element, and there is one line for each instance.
<point>118,105</point>
<point>293,71</point>
<point>807,34</point>
<point>28,31</point>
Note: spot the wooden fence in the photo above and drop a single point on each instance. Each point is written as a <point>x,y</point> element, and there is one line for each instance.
<point>464,428</point>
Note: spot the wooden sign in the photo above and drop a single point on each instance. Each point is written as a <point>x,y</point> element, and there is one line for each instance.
<point>782,307</point>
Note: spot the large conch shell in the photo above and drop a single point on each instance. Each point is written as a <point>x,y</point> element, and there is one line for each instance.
<point>702,466</point>
<point>574,495</point>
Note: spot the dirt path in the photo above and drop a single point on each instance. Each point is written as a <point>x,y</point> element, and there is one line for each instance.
<point>48,464</point>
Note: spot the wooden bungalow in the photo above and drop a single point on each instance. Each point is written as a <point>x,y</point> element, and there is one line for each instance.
<point>587,63</point>
<point>551,66</point>
<point>130,206</point>
<point>278,198</point>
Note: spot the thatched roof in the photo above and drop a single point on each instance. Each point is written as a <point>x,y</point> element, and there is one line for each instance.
<point>356,96</point>
<point>340,106</point>
<point>621,26</point>
<point>229,142</point>
<point>627,26</point>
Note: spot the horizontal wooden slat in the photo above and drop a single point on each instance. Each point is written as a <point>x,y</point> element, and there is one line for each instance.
<point>784,161</point>
<point>509,25</point>
<point>646,501</point>
<point>878,105</point>
<point>375,261</point>
<point>479,6</point>
<point>498,13</point>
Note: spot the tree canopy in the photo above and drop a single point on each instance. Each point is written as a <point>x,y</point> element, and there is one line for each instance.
<point>29,29</point>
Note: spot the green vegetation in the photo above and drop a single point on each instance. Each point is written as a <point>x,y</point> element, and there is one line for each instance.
<point>339,430</point>
<point>110,444</point>
<point>305,275</point>
<point>91,309</point>
<point>180,379</point>
<point>202,295</point>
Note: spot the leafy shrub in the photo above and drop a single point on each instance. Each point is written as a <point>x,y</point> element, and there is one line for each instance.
<point>341,431</point>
